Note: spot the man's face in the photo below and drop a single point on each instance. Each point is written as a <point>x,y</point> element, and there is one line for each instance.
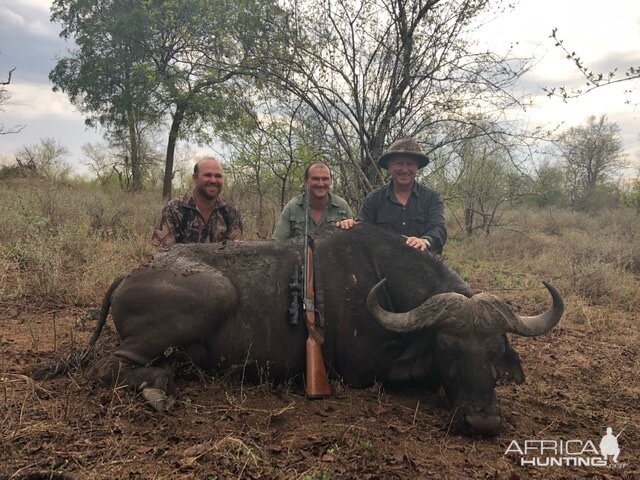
<point>403,170</point>
<point>319,181</point>
<point>209,180</point>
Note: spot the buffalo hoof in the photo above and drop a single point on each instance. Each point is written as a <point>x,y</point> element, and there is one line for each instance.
<point>486,425</point>
<point>158,399</point>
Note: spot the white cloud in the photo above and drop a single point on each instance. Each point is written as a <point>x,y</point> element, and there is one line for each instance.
<point>604,36</point>
<point>34,4</point>
<point>590,29</point>
<point>27,17</point>
<point>34,100</point>
<point>10,17</point>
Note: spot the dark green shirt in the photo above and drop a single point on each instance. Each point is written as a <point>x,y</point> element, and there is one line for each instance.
<point>291,223</point>
<point>422,216</point>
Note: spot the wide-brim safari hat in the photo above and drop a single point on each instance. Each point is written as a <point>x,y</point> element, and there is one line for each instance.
<point>403,146</point>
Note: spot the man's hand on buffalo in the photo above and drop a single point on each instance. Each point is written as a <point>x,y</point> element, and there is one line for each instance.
<point>346,224</point>
<point>418,243</point>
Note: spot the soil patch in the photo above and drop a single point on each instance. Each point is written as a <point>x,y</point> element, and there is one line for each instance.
<point>72,428</point>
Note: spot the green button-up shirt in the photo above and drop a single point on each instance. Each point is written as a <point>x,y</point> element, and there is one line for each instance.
<point>291,223</point>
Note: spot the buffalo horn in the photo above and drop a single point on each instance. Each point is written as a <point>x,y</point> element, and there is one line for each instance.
<point>494,313</point>
<point>435,310</point>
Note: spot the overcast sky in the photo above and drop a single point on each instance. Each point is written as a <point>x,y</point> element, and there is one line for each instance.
<point>605,34</point>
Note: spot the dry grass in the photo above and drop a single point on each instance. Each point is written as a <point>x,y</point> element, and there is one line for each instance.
<point>593,260</point>
<point>60,247</point>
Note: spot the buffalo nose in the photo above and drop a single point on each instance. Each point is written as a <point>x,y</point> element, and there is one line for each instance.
<point>488,425</point>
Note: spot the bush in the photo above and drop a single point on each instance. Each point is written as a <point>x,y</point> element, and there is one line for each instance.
<point>62,245</point>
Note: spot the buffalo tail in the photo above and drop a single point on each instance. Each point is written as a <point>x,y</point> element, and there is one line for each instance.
<point>76,360</point>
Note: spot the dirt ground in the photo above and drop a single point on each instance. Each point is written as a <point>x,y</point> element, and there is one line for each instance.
<point>578,383</point>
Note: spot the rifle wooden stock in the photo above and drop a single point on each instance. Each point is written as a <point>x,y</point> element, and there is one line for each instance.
<point>317,385</point>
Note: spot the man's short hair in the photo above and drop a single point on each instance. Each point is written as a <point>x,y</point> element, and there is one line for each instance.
<point>317,164</point>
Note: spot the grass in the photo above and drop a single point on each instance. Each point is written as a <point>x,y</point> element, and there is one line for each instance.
<point>592,259</point>
<point>61,246</point>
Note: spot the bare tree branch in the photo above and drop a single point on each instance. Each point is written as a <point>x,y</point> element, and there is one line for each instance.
<point>594,79</point>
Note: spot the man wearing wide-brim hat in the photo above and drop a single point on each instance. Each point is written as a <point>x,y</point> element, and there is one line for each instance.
<point>405,206</point>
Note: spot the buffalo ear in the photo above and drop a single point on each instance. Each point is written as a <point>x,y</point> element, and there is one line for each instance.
<point>508,366</point>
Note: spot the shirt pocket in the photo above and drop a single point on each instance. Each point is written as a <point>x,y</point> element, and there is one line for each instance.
<point>337,215</point>
<point>296,227</point>
<point>418,221</point>
<point>390,219</point>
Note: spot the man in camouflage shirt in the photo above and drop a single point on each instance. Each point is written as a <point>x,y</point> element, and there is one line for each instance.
<point>326,208</point>
<point>201,216</point>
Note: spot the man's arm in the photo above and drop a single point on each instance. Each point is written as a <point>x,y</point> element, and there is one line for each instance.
<point>282,231</point>
<point>166,232</point>
<point>234,230</point>
<point>367,212</point>
<point>436,230</point>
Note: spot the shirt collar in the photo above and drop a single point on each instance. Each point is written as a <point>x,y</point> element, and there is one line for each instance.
<point>389,189</point>
<point>189,201</point>
<point>332,200</point>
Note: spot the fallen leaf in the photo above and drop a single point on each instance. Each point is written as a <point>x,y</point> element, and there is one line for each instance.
<point>196,450</point>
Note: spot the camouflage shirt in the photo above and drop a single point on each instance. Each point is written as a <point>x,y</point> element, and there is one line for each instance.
<point>181,222</point>
<point>291,223</point>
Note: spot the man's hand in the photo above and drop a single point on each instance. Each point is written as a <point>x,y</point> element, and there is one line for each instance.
<point>419,243</point>
<point>346,224</point>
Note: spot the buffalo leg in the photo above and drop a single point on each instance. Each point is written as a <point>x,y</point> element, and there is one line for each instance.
<point>155,383</point>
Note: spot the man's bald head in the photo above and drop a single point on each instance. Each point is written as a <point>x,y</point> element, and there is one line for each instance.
<point>196,167</point>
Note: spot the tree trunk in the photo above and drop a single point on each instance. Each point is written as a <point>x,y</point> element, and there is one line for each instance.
<point>136,170</point>
<point>178,116</point>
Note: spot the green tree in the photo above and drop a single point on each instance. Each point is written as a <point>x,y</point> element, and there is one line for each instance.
<point>143,61</point>
<point>482,180</point>
<point>631,195</point>
<point>200,54</point>
<point>592,153</point>
<point>108,77</point>
<point>547,187</point>
<point>112,160</point>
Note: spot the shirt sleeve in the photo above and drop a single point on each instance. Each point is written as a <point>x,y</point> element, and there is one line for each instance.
<point>367,211</point>
<point>436,229</point>
<point>234,231</point>
<point>348,210</point>
<point>282,231</point>
<point>166,231</point>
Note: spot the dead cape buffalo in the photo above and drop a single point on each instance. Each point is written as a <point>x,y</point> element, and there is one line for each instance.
<point>226,304</point>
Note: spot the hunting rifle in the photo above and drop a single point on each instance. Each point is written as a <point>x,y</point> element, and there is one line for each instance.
<point>317,381</point>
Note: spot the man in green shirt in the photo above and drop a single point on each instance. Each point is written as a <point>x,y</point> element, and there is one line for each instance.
<point>326,208</point>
